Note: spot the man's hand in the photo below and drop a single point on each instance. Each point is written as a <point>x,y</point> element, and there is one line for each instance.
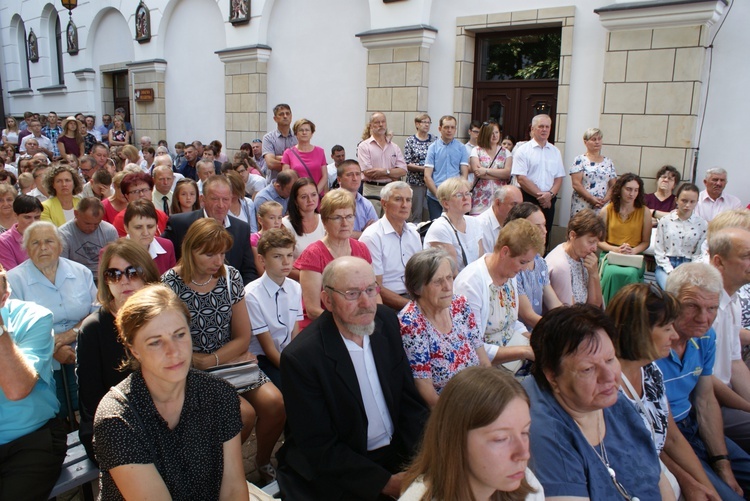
<point>544,199</point>
<point>65,354</point>
<point>393,487</point>
<point>699,492</point>
<point>723,468</point>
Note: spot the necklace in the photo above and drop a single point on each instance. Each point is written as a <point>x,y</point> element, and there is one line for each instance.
<point>204,283</point>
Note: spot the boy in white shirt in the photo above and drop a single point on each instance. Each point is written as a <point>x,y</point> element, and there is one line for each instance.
<point>274,302</point>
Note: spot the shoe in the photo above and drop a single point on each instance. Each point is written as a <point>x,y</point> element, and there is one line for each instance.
<point>267,473</point>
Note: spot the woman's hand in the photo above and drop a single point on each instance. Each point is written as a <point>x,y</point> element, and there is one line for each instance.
<point>598,203</point>
<point>245,357</point>
<point>591,263</point>
<point>625,249</point>
<point>204,361</point>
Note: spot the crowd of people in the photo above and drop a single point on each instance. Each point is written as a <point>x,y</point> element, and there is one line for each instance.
<point>400,317</point>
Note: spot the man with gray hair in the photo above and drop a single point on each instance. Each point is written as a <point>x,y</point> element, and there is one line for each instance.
<point>380,158</point>
<point>392,241</point>
<point>688,371</point>
<point>349,177</point>
<point>354,416</point>
<point>492,220</point>
<point>713,200</point>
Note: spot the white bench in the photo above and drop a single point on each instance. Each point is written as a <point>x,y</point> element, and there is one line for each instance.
<point>77,470</point>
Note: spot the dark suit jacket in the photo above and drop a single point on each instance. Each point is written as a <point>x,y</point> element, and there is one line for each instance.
<point>239,256</point>
<point>326,443</point>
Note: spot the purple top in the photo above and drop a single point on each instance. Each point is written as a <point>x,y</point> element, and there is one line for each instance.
<point>71,147</point>
<point>12,252</point>
<point>654,203</point>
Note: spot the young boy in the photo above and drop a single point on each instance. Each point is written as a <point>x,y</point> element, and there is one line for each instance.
<point>273,302</point>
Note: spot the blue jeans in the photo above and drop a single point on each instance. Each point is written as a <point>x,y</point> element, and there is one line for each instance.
<point>661,275</point>
<point>739,458</point>
<point>434,207</point>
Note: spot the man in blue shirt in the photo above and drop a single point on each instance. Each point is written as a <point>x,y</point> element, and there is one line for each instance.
<point>349,176</point>
<point>277,190</point>
<point>32,439</point>
<point>446,158</point>
<point>688,379</point>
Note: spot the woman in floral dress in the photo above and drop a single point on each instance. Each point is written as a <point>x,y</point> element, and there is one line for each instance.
<point>415,153</point>
<point>491,164</point>
<point>592,175</point>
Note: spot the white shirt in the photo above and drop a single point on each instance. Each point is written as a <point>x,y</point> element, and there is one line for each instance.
<point>678,238</point>
<point>390,251</point>
<point>441,231</point>
<point>708,208</point>
<point>155,248</point>
<point>305,239</point>
<point>379,423</point>
<point>254,184</point>
<point>44,142</point>
<point>157,196</point>
<point>727,326</point>
<point>274,309</point>
<point>541,164</point>
<point>332,173</point>
<point>96,133</point>
<point>490,228</point>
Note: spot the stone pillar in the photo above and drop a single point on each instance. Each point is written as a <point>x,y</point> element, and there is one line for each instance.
<point>245,88</point>
<point>398,64</point>
<point>652,86</point>
<point>149,118</point>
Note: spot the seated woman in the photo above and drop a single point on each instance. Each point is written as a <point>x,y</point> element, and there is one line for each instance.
<point>150,429</point>
<point>454,231</point>
<point>574,265</point>
<point>302,217</point>
<point>643,317</point>
<point>124,268</point>
<point>663,201</point>
<point>337,213</point>
<point>141,226</point>
<point>63,185</point>
<point>628,224</point>
<point>535,294</point>
<point>220,328</point>
<point>489,285</point>
<point>483,419</point>
<point>679,235</point>
<point>438,329</point>
<point>588,440</point>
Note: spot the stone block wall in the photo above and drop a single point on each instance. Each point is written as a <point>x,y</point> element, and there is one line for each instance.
<point>149,118</point>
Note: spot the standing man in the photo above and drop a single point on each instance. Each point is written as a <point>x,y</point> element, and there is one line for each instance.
<point>36,133</point>
<point>349,176</point>
<point>446,158</point>
<point>52,131</point>
<point>32,439</point>
<point>277,141</point>
<point>91,128</point>
<point>539,169</point>
<point>189,167</point>
<point>104,128</point>
<point>163,179</point>
<point>474,127</point>
<point>338,155</point>
<point>87,234</point>
<point>278,190</point>
<point>713,200</point>
<point>504,198</point>
<point>257,148</point>
<point>354,416</point>
<point>380,158</point>
<point>392,241</point>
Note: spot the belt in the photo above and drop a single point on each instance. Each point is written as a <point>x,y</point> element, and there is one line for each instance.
<point>377,183</point>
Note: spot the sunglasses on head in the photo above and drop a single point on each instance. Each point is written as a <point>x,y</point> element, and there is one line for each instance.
<point>113,275</point>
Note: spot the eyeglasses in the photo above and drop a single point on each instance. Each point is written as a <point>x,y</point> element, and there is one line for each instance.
<point>114,276</point>
<point>474,131</point>
<point>354,294</point>
<point>428,122</point>
<point>338,219</point>
<point>142,191</point>
<point>462,194</point>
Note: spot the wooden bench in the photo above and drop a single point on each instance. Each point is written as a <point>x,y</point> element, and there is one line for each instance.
<point>77,470</point>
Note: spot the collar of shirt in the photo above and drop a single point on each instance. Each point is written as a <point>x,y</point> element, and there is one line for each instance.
<point>270,286</point>
<point>279,134</point>
<point>63,273</point>
<point>537,145</point>
<point>705,196</point>
<point>227,222</point>
<point>155,248</point>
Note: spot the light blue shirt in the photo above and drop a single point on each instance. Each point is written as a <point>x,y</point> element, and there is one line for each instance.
<point>364,213</point>
<point>445,160</point>
<point>269,194</point>
<point>30,328</point>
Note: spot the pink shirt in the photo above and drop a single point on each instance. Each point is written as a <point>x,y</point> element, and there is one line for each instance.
<point>708,208</point>
<point>315,161</point>
<point>12,252</point>
<point>372,156</point>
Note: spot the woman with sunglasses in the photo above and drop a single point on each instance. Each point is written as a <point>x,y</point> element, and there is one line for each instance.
<point>124,268</point>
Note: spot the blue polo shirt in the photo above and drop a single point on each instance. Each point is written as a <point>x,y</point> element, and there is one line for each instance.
<point>681,376</point>
<point>446,160</point>
<point>364,213</point>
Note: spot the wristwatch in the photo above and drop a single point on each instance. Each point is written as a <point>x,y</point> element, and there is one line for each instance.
<point>388,171</point>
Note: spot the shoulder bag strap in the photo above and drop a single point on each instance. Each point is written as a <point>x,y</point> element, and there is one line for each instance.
<point>463,253</point>
<point>476,178</point>
<point>294,150</point>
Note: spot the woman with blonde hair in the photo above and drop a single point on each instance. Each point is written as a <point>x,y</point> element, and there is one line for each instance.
<point>482,418</point>
<point>70,142</point>
<point>241,207</point>
<point>592,175</point>
<point>118,135</point>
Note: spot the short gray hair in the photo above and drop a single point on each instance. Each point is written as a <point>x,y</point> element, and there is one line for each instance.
<point>502,191</point>
<point>715,170</point>
<point>535,120</point>
<point>330,272</point>
<point>592,132</point>
<point>700,275</point>
<point>421,268</point>
<point>40,225</point>
<point>385,193</point>
<point>720,242</point>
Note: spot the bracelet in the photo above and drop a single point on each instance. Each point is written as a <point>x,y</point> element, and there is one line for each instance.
<point>716,459</point>
<point>217,359</point>
<point>550,192</point>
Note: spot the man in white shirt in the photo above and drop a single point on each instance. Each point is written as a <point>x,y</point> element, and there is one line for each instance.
<point>492,220</point>
<point>45,144</point>
<point>392,242</point>
<point>91,129</point>
<point>338,155</point>
<point>539,169</point>
<point>713,200</point>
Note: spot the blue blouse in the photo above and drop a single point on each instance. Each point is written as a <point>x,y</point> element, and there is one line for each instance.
<point>531,283</point>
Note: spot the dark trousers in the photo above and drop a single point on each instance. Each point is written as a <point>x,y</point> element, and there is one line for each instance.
<point>270,370</point>
<point>30,465</point>
<point>549,214</point>
<point>434,207</point>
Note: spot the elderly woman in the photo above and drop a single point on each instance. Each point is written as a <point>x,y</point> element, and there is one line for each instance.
<point>63,184</point>
<point>138,186</point>
<point>302,217</point>
<point>337,214</point>
<point>535,294</point>
<point>304,158</point>
<point>7,217</point>
<point>64,287</point>
<point>644,316</point>
<point>574,265</point>
<point>415,153</point>
<point>438,329</point>
<point>592,175</point>
<point>167,416</point>
<point>140,224</point>
<point>589,441</point>
<point>124,268</point>
<point>479,403</point>
<point>628,223</point>
<point>27,210</point>
<point>663,200</point>
<point>491,164</point>
<point>220,328</point>
<point>489,284</point>
<point>459,235</point>
<point>185,197</point>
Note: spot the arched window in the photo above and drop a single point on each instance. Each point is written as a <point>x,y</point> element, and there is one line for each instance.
<point>59,51</point>
<point>23,54</point>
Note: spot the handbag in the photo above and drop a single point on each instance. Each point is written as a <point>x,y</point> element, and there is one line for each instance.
<point>476,179</point>
<point>240,374</point>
